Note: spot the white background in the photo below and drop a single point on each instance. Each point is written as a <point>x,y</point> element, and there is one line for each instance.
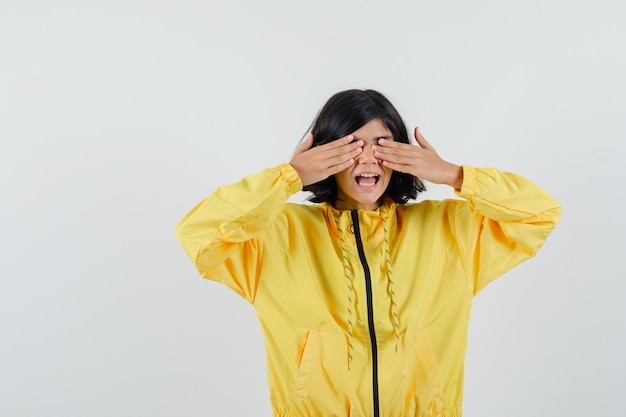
<point>117,117</point>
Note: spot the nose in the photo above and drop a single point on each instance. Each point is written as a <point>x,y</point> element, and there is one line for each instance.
<point>367,156</point>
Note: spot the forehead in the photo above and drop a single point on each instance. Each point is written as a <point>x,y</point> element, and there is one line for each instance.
<point>372,131</point>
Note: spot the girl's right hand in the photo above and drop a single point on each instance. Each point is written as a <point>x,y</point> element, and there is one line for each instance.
<point>318,163</point>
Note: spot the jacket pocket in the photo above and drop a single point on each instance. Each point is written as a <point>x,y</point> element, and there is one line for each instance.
<point>307,361</point>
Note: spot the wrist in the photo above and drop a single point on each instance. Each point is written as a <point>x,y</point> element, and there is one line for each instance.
<point>454,176</point>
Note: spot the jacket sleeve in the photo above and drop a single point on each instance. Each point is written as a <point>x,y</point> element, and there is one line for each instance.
<point>506,220</point>
<point>222,235</point>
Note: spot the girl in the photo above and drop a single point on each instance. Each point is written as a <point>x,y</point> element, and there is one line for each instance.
<point>364,298</point>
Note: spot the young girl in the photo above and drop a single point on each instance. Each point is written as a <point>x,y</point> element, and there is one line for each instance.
<point>364,298</point>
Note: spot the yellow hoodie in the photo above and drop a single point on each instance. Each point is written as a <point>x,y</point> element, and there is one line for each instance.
<point>365,313</point>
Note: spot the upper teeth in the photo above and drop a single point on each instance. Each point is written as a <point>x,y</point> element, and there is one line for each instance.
<point>369,175</point>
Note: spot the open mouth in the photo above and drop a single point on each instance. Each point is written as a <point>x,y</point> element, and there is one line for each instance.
<point>367,180</point>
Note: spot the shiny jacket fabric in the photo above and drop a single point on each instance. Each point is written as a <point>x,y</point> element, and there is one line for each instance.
<point>365,313</point>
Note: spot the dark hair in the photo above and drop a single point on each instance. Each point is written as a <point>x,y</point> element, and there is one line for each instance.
<point>344,113</point>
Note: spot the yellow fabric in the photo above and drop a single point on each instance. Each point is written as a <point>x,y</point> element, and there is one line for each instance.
<point>288,261</point>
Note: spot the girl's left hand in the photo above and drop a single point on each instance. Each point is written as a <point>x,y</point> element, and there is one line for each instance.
<point>421,161</point>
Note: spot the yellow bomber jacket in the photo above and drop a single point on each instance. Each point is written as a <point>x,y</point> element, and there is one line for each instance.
<point>365,313</point>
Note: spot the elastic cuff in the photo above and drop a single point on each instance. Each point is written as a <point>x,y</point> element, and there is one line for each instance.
<point>291,176</point>
<point>469,182</point>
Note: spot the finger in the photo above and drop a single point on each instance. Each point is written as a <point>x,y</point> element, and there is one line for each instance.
<point>404,168</point>
<point>307,143</point>
<point>343,157</point>
<point>340,167</point>
<point>346,140</point>
<point>405,152</point>
<point>341,148</point>
<point>384,145</point>
<point>421,140</point>
<point>385,148</point>
<point>397,158</point>
<point>387,143</point>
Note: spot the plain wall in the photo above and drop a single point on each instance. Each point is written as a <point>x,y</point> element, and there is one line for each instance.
<point>117,117</point>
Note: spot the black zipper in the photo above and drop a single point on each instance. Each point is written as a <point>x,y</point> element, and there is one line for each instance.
<point>370,309</point>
